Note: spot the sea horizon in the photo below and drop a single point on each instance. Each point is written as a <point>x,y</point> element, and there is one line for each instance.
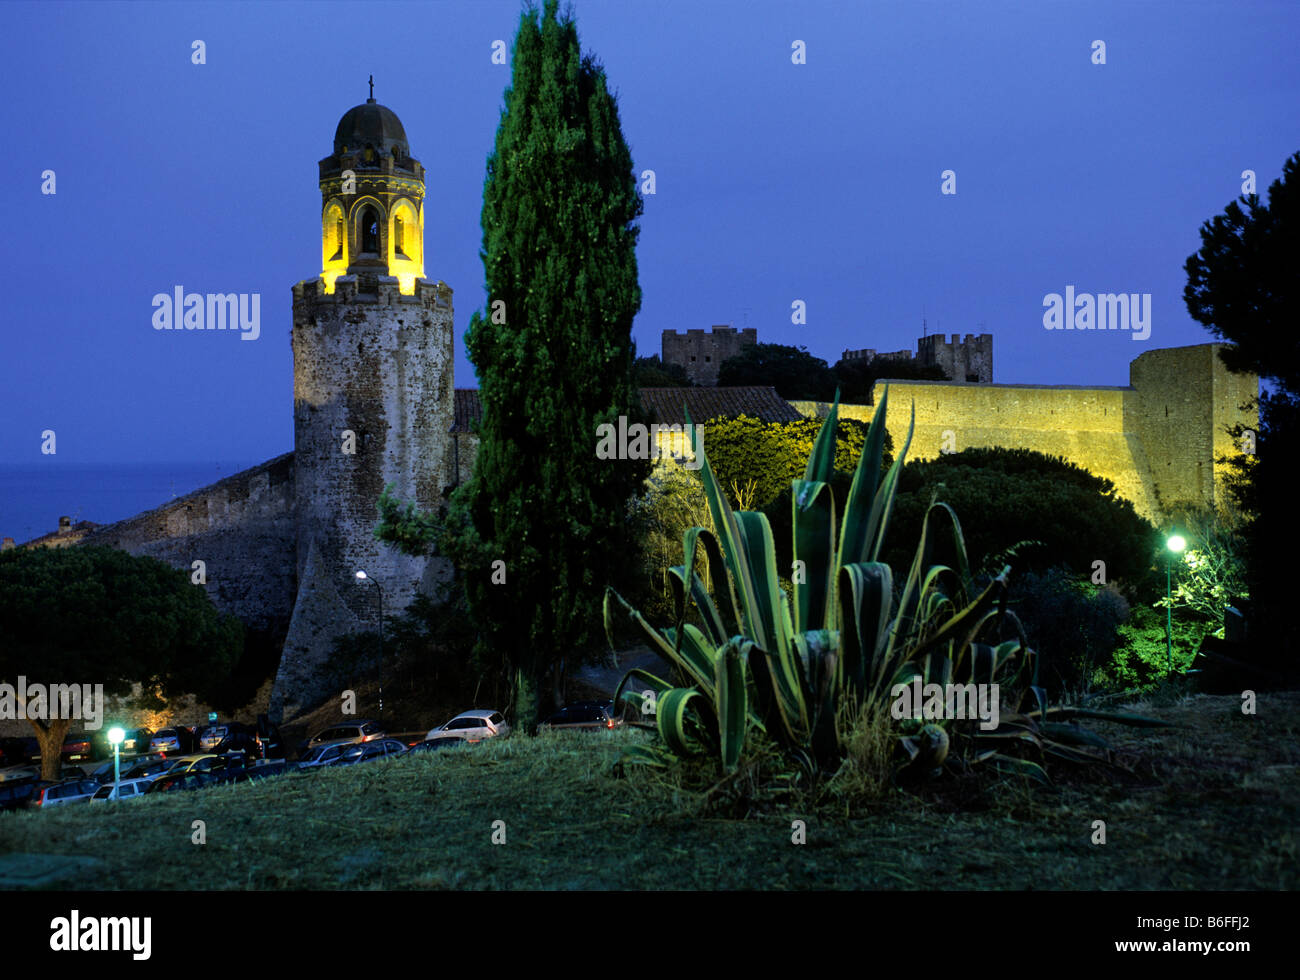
<point>33,496</point>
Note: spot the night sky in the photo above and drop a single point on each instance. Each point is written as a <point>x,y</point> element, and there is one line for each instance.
<point>775,181</point>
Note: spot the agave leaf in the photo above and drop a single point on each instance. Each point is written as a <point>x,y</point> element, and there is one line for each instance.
<point>664,642</point>
<point>636,698</point>
<point>644,755</point>
<point>1071,754</point>
<point>686,723</point>
<point>734,547</point>
<point>856,531</point>
<point>812,507</point>
<point>819,656</point>
<point>821,461</point>
<point>1137,721</point>
<point>1072,735</point>
<point>723,584</point>
<point>963,620</point>
<point>713,625</point>
<point>694,655</point>
<point>731,681</point>
<point>865,596</point>
<point>1020,767</point>
<point>883,503</point>
<point>764,600</point>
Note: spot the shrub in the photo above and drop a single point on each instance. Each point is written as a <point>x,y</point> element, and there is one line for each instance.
<point>1072,623</point>
<point>1139,661</point>
<point>769,455</point>
<point>1009,496</point>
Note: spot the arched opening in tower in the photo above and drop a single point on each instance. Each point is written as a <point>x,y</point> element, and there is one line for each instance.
<point>369,231</point>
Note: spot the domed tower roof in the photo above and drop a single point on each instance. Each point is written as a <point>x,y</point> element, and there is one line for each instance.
<point>371,124</point>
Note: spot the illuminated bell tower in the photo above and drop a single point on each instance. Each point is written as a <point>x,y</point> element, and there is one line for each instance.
<point>373,396</point>
<point>372,199</point>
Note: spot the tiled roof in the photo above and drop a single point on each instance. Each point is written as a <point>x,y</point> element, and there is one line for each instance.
<point>764,404</point>
<point>665,405</point>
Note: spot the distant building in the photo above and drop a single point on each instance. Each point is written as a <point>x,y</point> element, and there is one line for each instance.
<point>969,359</point>
<point>702,352</point>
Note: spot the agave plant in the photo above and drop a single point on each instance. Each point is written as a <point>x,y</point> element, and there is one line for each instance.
<point>755,659</point>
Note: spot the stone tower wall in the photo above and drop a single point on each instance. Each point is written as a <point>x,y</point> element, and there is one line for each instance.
<point>378,363</point>
<point>969,359</point>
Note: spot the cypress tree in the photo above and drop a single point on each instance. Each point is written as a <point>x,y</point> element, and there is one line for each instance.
<point>542,527</point>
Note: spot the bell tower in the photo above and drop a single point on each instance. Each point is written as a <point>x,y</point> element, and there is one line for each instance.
<point>372,199</point>
<point>373,397</point>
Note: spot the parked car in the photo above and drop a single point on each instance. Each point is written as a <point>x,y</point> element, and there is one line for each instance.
<point>231,736</point>
<point>170,781</point>
<point>104,771</point>
<point>584,716</point>
<point>19,751</point>
<point>62,793</point>
<point>127,789</point>
<point>176,739</point>
<point>381,748</point>
<point>199,762</point>
<point>473,726</point>
<point>323,755</point>
<point>362,730</point>
<point>19,774</point>
<point>15,793</point>
<point>151,769</point>
<point>438,744</point>
<point>77,747</point>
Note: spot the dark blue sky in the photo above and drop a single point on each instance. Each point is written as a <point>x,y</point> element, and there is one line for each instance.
<point>775,182</point>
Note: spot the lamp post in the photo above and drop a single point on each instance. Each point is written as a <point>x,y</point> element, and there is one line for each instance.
<point>115,737</point>
<point>1175,544</point>
<point>362,577</point>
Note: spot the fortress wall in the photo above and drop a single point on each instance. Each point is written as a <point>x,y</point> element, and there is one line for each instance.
<point>241,528</point>
<point>1171,411</point>
<point>1083,425</point>
<point>1183,400</point>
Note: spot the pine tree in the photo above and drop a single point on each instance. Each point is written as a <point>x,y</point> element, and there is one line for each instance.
<point>542,527</point>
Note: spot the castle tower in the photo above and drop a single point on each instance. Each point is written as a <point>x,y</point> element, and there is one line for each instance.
<point>373,393</point>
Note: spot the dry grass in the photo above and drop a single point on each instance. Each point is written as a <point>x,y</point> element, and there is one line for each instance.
<point>1211,804</point>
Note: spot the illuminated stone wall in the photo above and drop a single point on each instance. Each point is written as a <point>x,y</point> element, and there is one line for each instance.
<point>1155,439</point>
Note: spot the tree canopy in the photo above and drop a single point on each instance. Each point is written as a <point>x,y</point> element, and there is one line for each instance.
<point>102,616</point>
<point>542,527</point>
<point>792,371</point>
<point>1243,286</point>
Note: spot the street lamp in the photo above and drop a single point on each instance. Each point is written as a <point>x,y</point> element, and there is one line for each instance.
<point>1175,544</point>
<point>362,577</point>
<point>115,737</point>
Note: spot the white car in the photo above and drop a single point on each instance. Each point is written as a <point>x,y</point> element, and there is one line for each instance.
<point>472,726</point>
<point>127,789</point>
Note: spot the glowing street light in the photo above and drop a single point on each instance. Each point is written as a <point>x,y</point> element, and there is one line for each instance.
<point>1175,543</point>
<point>115,737</point>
